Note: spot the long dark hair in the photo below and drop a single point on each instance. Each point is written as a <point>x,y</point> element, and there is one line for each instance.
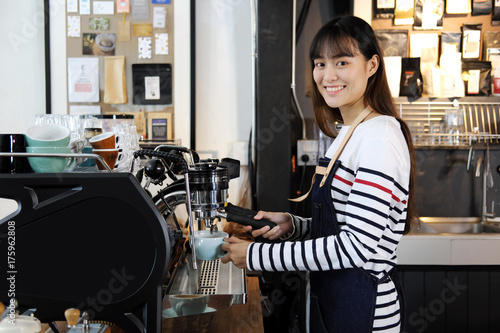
<point>349,36</point>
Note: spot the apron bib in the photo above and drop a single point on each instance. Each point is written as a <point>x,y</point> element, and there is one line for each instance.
<point>341,300</point>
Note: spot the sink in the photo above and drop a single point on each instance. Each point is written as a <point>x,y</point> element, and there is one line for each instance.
<point>443,225</point>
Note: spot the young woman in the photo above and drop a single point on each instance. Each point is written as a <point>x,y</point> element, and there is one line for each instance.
<point>359,216</point>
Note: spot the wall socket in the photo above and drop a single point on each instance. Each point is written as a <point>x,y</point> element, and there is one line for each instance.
<point>307,152</point>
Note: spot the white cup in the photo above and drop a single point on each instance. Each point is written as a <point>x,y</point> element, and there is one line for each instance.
<point>185,305</point>
<point>123,160</point>
<point>209,246</point>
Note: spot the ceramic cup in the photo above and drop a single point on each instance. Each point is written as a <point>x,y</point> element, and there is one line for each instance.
<point>185,305</point>
<point>48,135</point>
<point>105,140</point>
<point>123,160</point>
<point>209,246</point>
<point>108,155</point>
<point>49,164</point>
<point>13,143</point>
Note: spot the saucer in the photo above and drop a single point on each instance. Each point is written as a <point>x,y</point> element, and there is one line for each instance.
<point>170,313</point>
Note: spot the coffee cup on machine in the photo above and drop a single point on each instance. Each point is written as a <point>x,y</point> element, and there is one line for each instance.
<point>50,164</point>
<point>108,155</point>
<point>105,140</point>
<point>185,305</point>
<point>208,245</point>
<point>47,135</point>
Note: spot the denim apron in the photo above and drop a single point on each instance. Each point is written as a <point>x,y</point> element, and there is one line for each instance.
<point>341,300</point>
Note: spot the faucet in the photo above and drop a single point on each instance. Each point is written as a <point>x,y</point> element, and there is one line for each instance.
<point>487,183</point>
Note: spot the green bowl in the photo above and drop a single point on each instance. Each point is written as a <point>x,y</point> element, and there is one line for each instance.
<point>48,164</point>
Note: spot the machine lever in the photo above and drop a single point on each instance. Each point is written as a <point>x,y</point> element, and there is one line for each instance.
<point>244,216</point>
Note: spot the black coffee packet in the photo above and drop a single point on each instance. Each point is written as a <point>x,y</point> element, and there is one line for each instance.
<point>481,7</point>
<point>411,78</point>
<point>383,9</point>
<point>393,42</point>
<point>477,77</point>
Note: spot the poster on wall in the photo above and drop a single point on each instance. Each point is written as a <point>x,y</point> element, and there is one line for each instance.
<point>140,10</point>
<point>83,79</point>
<point>152,83</point>
<point>160,126</point>
<point>98,44</point>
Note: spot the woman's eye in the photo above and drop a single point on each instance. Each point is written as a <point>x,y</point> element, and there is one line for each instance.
<point>342,63</point>
<point>320,64</point>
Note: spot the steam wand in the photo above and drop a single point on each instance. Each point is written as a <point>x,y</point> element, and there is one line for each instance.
<point>190,220</point>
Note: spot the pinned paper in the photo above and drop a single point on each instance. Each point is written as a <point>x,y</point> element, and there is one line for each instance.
<point>73,26</point>
<point>99,23</point>
<point>115,83</point>
<point>84,7</point>
<point>142,30</point>
<point>140,9</point>
<point>78,110</point>
<point>72,6</point>
<point>159,17</point>
<point>104,7</point>
<point>161,43</point>
<point>123,34</point>
<point>144,47</point>
<point>123,6</point>
<point>83,79</point>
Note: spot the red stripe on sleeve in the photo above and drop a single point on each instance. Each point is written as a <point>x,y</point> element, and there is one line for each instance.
<point>379,187</point>
<point>343,180</point>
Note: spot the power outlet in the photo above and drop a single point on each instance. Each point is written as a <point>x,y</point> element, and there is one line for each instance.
<point>307,152</point>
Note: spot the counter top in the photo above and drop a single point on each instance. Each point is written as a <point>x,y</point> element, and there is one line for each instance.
<point>449,249</point>
<point>237,318</point>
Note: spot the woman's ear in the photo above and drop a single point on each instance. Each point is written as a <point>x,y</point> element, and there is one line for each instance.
<point>373,64</point>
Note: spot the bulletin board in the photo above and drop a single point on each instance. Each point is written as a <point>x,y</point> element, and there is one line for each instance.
<point>123,34</point>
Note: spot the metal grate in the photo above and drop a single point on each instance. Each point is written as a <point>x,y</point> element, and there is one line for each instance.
<point>426,121</point>
<point>209,275</point>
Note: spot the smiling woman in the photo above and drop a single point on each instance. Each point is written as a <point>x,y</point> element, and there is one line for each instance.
<point>359,216</point>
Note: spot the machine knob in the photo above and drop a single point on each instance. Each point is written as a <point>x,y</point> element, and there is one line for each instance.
<point>154,168</point>
<point>72,315</point>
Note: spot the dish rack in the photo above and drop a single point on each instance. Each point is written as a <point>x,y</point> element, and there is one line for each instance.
<point>426,122</point>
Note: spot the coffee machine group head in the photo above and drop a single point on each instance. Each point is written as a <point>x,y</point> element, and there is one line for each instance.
<point>208,185</point>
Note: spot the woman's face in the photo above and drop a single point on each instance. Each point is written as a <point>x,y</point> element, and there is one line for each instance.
<point>342,80</point>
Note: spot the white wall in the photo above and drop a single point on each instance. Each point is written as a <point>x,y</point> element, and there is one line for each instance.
<point>224,101</point>
<point>22,83</point>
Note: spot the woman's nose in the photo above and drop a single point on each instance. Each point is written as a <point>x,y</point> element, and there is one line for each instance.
<point>330,74</point>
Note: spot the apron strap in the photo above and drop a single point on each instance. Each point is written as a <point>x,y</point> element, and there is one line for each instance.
<point>326,171</point>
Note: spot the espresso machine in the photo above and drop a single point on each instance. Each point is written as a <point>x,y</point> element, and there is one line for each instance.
<point>100,242</point>
<point>202,187</point>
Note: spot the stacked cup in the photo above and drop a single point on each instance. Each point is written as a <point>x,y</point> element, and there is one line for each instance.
<point>104,145</point>
<point>48,139</point>
<point>127,141</point>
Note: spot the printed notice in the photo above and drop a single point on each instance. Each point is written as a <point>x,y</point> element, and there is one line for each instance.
<point>140,10</point>
<point>152,87</point>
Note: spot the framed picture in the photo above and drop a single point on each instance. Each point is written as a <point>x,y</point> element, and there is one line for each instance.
<point>160,126</point>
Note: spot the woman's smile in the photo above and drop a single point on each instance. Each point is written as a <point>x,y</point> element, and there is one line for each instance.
<point>334,89</point>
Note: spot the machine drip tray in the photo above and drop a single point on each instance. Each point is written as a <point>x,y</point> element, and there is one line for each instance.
<point>223,284</point>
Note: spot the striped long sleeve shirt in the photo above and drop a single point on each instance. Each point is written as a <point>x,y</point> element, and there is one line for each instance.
<point>370,196</point>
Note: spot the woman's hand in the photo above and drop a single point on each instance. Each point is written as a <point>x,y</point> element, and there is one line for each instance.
<point>236,251</point>
<point>283,221</point>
